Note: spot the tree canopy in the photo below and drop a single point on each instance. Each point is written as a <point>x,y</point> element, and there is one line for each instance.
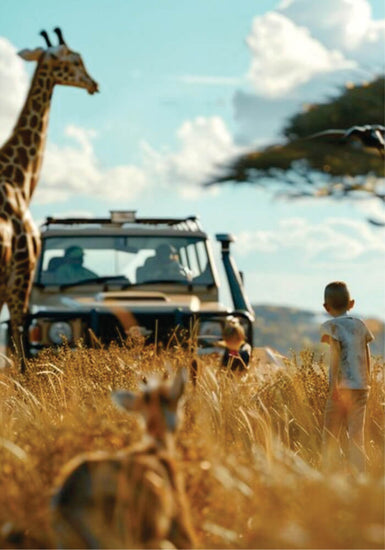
<point>323,166</point>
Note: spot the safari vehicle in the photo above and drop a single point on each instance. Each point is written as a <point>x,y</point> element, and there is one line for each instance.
<point>104,280</point>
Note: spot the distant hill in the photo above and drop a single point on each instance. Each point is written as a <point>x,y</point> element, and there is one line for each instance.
<point>286,329</point>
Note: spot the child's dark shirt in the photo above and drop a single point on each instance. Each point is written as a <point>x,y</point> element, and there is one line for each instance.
<point>237,360</point>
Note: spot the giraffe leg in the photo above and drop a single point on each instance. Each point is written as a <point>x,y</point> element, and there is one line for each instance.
<point>3,343</point>
<point>18,308</point>
<point>17,337</point>
<point>25,254</point>
<point>8,332</point>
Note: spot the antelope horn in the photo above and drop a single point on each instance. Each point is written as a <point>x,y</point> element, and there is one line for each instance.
<point>44,34</point>
<point>59,35</point>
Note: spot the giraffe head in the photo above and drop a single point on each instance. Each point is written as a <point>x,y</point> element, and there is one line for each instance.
<point>65,66</point>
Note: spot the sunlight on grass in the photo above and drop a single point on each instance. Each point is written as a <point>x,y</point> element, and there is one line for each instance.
<point>249,448</point>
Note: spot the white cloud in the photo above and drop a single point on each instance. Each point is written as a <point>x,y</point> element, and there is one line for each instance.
<point>297,258</point>
<point>13,87</point>
<point>338,240</point>
<point>342,24</point>
<point>303,39</point>
<point>371,50</point>
<point>285,55</point>
<point>372,207</point>
<point>74,170</point>
<point>205,144</point>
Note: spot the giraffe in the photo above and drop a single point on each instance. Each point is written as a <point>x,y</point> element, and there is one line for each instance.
<point>20,162</point>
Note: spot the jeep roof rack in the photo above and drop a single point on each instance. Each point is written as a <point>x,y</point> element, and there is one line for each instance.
<point>122,218</point>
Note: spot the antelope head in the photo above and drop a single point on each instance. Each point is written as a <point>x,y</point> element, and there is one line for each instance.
<point>157,401</point>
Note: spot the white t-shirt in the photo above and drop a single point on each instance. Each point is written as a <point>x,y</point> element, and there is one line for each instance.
<point>353,336</point>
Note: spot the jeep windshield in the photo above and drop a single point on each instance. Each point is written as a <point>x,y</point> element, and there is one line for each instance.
<point>123,260</point>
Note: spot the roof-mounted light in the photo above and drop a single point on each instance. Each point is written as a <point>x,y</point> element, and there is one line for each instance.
<point>123,216</point>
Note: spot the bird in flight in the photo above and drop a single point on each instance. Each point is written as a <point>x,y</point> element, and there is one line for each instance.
<point>370,135</point>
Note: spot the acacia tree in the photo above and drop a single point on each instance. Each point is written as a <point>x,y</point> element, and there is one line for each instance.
<point>324,166</point>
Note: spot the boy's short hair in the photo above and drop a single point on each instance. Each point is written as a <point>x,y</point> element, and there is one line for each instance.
<point>337,295</point>
<point>233,329</point>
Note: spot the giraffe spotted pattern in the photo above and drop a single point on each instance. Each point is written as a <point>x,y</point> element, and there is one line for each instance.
<point>20,163</point>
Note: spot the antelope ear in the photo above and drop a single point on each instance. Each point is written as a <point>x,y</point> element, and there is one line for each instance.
<point>125,399</point>
<point>178,384</point>
<point>31,55</point>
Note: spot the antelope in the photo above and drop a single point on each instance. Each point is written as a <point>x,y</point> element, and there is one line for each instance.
<point>133,498</point>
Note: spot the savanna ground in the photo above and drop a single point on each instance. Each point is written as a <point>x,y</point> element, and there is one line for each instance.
<point>249,449</point>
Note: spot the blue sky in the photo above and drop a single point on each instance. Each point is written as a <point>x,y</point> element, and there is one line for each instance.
<point>183,87</point>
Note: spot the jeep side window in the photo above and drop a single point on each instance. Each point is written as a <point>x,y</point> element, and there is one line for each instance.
<point>195,255</point>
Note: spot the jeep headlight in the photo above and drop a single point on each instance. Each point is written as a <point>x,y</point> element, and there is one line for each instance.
<point>60,332</point>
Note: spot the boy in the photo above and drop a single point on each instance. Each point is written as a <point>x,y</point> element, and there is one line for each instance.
<point>348,338</point>
<point>237,353</point>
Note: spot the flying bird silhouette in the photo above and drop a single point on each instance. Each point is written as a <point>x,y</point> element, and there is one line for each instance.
<point>370,135</point>
<point>377,223</point>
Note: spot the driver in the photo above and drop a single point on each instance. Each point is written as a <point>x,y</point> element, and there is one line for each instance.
<point>72,269</point>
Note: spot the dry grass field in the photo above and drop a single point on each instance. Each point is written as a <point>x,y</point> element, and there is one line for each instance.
<point>249,449</point>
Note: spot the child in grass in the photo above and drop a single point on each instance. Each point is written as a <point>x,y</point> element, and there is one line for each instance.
<point>237,351</point>
<point>348,338</point>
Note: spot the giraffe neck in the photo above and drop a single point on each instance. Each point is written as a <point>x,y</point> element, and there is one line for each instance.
<point>21,156</point>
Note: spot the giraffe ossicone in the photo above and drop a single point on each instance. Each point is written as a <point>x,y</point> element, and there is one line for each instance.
<point>20,163</point>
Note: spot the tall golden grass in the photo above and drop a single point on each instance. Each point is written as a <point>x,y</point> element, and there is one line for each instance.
<point>249,448</point>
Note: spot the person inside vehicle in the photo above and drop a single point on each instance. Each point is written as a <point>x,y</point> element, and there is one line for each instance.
<point>164,265</point>
<point>72,269</point>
